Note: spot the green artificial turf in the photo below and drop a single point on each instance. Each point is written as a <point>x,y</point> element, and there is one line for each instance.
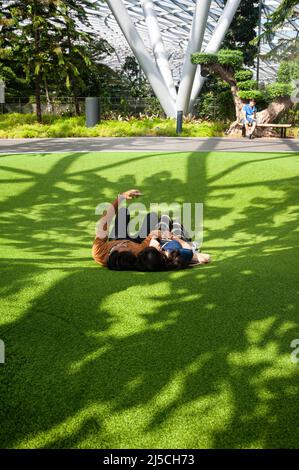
<point>193,359</point>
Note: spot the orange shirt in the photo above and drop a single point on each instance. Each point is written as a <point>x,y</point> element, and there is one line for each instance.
<point>102,246</point>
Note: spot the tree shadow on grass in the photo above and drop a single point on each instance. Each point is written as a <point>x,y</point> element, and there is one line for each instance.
<point>229,351</point>
<point>205,361</point>
<point>59,204</point>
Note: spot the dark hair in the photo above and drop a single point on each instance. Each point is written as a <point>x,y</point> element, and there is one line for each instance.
<point>121,261</point>
<point>150,259</point>
<point>252,99</point>
<point>175,260</point>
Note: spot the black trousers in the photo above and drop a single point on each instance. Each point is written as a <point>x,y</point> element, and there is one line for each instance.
<point>152,221</point>
<point>120,229</point>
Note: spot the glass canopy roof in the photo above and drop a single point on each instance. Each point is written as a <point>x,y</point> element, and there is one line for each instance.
<point>175,18</point>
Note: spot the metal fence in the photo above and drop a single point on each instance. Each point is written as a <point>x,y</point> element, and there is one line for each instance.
<point>59,106</point>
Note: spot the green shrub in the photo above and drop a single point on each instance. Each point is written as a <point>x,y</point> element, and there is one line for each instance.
<point>247,85</point>
<point>243,75</point>
<point>222,85</point>
<point>248,94</point>
<point>294,70</point>
<point>230,57</point>
<point>216,106</point>
<point>153,106</point>
<point>291,117</point>
<point>22,125</point>
<point>224,57</point>
<point>283,74</point>
<point>288,71</point>
<point>204,58</point>
<point>278,90</point>
<point>14,119</point>
<point>204,129</point>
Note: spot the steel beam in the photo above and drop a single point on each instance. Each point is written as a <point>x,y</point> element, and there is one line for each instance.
<point>198,27</point>
<point>143,56</point>
<point>158,46</point>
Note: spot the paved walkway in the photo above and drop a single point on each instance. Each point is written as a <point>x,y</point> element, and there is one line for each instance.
<point>147,144</point>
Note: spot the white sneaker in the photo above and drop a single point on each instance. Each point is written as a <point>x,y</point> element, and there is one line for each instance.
<point>195,247</point>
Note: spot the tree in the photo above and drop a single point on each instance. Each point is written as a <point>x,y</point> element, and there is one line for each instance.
<point>286,14</point>
<point>97,76</point>
<point>6,72</point>
<point>229,66</point>
<point>74,43</point>
<point>242,31</point>
<point>79,51</point>
<point>215,101</point>
<point>43,42</point>
<point>30,28</point>
<point>288,71</point>
<point>95,79</point>
<point>133,75</point>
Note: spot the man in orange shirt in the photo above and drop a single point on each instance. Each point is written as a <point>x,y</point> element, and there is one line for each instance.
<point>145,254</point>
<point>119,254</point>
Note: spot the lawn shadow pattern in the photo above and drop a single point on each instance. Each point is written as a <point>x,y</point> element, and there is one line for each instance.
<point>208,361</point>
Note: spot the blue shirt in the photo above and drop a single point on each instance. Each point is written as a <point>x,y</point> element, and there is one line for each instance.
<point>248,110</point>
<point>172,245</point>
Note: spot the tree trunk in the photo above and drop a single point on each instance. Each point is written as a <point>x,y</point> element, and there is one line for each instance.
<point>274,110</point>
<point>267,116</point>
<point>227,75</point>
<point>38,75</point>
<point>73,82</point>
<point>76,102</point>
<point>237,102</point>
<point>38,99</point>
<point>49,102</point>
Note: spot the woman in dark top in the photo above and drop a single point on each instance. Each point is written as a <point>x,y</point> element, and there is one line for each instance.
<point>164,248</point>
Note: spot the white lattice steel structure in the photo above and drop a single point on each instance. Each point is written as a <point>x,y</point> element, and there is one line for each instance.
<point>163,33</point>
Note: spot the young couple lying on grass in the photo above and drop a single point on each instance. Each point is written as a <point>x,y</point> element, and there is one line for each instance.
<point>167,247</point>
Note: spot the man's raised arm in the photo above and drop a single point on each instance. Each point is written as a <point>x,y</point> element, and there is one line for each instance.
<point>102,227</point>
